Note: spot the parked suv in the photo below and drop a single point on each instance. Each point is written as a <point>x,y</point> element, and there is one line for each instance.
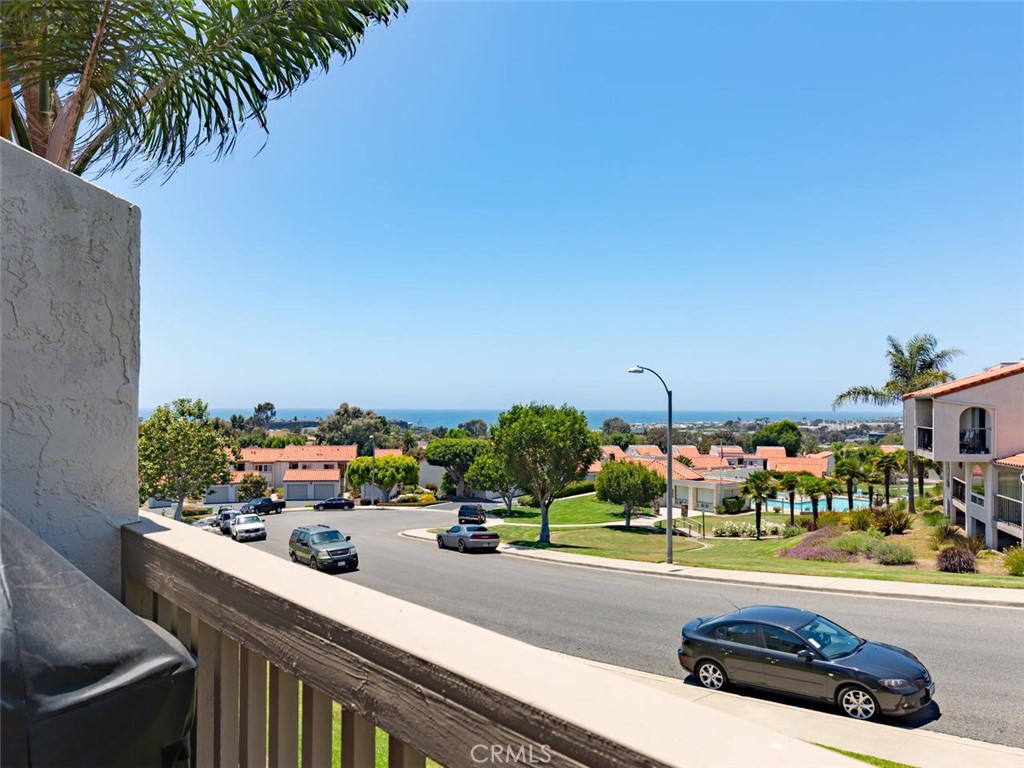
<point>322,547</point>
<point>472,513</point>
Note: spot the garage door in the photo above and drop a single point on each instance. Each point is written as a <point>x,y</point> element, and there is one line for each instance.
<point>217,495</point>
<point>295,491</point>
<point>323,490</point>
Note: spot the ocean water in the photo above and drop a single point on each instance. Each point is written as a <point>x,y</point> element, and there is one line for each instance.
<point>452,417</point>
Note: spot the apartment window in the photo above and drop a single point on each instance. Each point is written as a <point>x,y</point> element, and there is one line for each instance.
<point>293,465</point>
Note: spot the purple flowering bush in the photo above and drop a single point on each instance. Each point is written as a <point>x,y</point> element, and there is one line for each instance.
<point>815,547</point>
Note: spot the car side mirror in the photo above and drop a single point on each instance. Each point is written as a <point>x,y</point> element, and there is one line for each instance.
<point>805,654</point>
<point>348,538</point>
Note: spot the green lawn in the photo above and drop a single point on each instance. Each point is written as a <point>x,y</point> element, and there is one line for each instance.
<point>636,544</point>
<point>574,511</point>
<point>880,762</point>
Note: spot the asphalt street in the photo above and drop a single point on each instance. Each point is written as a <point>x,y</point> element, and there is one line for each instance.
<point>633,620</point>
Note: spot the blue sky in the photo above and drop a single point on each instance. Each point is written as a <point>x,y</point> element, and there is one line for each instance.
<point>505,202</point>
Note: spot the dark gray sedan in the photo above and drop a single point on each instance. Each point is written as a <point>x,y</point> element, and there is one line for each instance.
<point>463,537</point>
<point>799,653</point>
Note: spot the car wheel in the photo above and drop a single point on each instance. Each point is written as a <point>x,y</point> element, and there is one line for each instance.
<point>711,675</point>
<point>313,564</point>
<point>291,555</point>
<point>462,545</point>
<point>233,537</point>
<point>858,703</point>
<point>440,543</point>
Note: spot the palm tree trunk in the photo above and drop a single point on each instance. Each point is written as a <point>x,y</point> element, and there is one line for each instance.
<point>828,506</point>
<point>887,480</point>
<point>757,519</point>
<point>920,478</point>
<point>910,483</point>
<point>849,495</point>
<point>814,512</point>
<point>792,504</point>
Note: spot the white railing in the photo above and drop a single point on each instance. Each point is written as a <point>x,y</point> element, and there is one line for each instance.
<point>280,647</point>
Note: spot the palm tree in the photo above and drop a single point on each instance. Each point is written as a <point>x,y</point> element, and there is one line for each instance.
<point>812,487</point>
<point>915,366</point>
<point>790,483</point>
<point>888,464</point>
<point>759,487</point>
<point>117,80</point>
<point>830,488</point>
<point>851,471</point>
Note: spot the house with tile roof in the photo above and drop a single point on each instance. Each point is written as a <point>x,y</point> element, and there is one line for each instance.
<point>611,453</point>
<point>650,451</point>
<point>692,490</point>
<point>305,472</point>
<point>974,426</point>
<point>819,466</point>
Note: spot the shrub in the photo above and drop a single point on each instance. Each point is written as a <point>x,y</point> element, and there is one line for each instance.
<point>526,500</point>
<point>945,533</point>
<point>408,498</point>
<point>432,487</point>
<point>892,553</point>
<point>195,511</point>
<point>791,530</point>
<point>975,543</point>
<point>933,518</point>
<point>893,521</point>
<point>746,530</point>
<point>1013,561</point>
<point>428,498</point>
<point>860,543</point>
<point>732,505</point>
<point>447,485</point>
<point>831,520</point>
<point>861,520</point>
<point>956,560</point>
<point>805,522</point>
<point>821,552</point>
<point>575,488</point>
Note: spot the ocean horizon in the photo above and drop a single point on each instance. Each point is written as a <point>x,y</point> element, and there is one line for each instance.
<point>452,417</point>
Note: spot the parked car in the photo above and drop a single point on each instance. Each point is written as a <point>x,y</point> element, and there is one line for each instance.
<point>247,526</point>
<point>224,519</point>
<point>322,547</point>
<point>472,513</point>
<point>337,502</point>
<point>206,523</point>
<point>799,653</point>
<point>263,506</point>
<point>463,537</point>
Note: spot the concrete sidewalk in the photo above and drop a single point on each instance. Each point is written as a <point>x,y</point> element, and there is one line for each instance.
<point>1012,598</point>
<point>915,747</point>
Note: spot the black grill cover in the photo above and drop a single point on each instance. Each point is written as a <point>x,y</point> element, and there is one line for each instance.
<point>85,682</point>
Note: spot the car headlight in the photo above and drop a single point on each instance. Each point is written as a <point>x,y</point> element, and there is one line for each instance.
<point>896,682</point>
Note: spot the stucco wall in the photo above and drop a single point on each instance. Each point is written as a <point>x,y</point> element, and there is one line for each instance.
<point>69,361</point>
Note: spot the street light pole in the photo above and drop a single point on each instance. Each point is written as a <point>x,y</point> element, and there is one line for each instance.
<point>668,473</point>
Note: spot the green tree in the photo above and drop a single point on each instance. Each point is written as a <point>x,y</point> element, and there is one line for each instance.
<point>237,421</point>
<point>615,425</point>
<point>889,464</point>
<point>182,453</point>
<point>262,415</point>
<point>813,488</point>
<point>475,427</point>
<point>790,483</point>
<point>831,487</point>
<point>783,433</point>
<point>809,443</point>
<point>487,473</point>
<point>917,365</point>
<point>108,83</point>
<point>621,439</point>
<point>630,484</point>
<point>456,454</point>
<point>349,424</point>
<point>543,449</point>
<point>851,471</point>
<point>387,473</point>
<point>253,486</point>
<point>280,441</point>
<point>759,487</point>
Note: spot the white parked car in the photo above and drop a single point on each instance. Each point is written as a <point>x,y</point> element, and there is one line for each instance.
<point>249,526</point>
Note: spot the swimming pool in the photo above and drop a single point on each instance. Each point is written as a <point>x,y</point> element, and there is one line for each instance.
<point>838,504</point>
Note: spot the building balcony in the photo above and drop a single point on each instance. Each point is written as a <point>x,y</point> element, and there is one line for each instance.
<point>959,489</point>
<point>1008,511</point>
<point>281,648</point>
<point>924,439</point>
<point>975,441</point>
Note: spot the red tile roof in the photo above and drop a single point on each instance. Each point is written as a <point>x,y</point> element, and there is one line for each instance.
<point>1016,461</point>
<point>312,476</point>
<point>725,450</point>
<point>994,373</point>
<point>770,451</point>
<point>679,471</point>
<point>296,453</point>
<point>595,467</point>
<point>690,451</point>
<point>702,462</point>
<point>817,466</point>
<point>891,448</point>
<point>646,450</point>
<point>378,452</point>
<point>236,477</point>
<point>262,455</point>
<point>612,452</point>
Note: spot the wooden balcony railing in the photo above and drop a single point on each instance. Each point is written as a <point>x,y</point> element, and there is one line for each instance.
<point>279,647</point>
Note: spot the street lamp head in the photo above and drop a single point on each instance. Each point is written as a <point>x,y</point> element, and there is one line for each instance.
<point>637,369</point>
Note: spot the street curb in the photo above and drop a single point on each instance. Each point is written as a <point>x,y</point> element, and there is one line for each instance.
<point>1016,601</point>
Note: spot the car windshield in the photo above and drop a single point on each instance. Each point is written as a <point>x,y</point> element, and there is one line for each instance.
<point>247,519</point>
<point>828,639</point>
<point>325,538</point>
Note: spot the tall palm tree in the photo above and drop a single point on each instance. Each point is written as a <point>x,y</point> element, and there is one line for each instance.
<point>112,81</point>
<point>850,471</point>
<point>759,487</point>
<point>813,488</point>
<point>888,464</point>
<point>830,488</point>
<point>915,366</point>
<point>790,483</point>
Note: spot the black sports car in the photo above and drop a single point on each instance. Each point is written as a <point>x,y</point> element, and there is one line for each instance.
<point>336,502</point>
<point>802,654</point>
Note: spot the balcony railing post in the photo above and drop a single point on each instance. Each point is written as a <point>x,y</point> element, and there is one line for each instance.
<point>207,722</point>
<point>284,719</point>
<point>253,698</point>
<point>357,740</point>
<point>316,728</point>
<point>227,703</point>
<point>401,755</point>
